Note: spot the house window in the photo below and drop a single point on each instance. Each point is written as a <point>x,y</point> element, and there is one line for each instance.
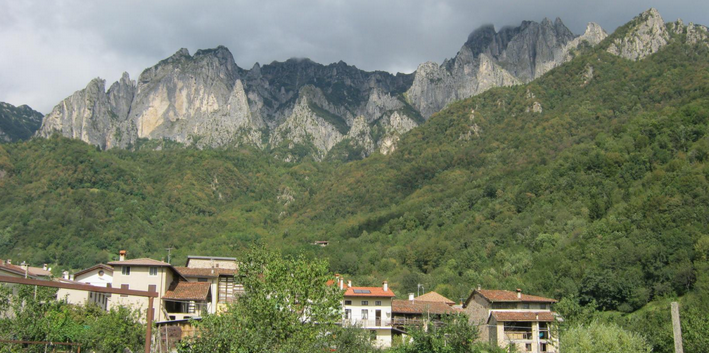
<point>365,314</point>
<point>525,306</point>
<point>542,306</point>
<point>544,347</point>
<point>153,271</point>
<point>152,288</point>
<point>100,273</point>
<point>365,302</point>
<point>378,303</point>
<point>348,314</point>
<point>348,302</point>
<point>125,270</point>
<point>528,347</point>
<point>227,289</point>
<point>124,286</point>
<point>202,280</point>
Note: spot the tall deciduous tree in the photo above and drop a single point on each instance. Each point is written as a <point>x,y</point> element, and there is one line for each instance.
<point>287,307</point>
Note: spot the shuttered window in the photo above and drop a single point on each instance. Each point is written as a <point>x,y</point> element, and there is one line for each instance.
<point>226,289</point>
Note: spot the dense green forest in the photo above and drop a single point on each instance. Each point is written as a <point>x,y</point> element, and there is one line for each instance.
<point>600,200</point>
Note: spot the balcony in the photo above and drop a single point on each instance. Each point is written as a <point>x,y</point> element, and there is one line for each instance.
<point>368,323</point>
<point>175,310</point>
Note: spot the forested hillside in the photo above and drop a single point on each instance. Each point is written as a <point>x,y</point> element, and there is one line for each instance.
<point>588,184</point>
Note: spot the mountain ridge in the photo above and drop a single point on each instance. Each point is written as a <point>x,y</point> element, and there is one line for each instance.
<point>185,98</point>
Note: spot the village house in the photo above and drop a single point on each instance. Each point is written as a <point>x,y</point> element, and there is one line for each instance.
<point>100,275</point>
<point>24,270</point>
<point>220,273</point>
<point>370,309</point>
<point>508,318</point>
<point>176,296</point>
<point>420,311</point>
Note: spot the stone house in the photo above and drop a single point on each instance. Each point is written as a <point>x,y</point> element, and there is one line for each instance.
<point>507,318</point>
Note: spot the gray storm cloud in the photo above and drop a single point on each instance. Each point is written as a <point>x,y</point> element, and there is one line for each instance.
<point>53,48</point>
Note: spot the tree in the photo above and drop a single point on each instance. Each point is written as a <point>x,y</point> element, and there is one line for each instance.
<point>37,316</point>
<point>287,307</point>
<point>602,338</point>
<point>454,335</point>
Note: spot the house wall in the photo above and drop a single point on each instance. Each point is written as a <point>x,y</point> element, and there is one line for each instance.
<point>357,307</point>
<point>383,331</point>
<point>209,263</point>
<point>72,296</point>
<point>140,279</point>
<point>94,279</point>
<point>214,288</point>
<point>478,311</point>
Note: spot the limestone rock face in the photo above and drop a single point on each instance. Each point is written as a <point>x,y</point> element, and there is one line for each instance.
<point>593,35</point>
<point>394,126</point>
<point>194,99</point>
<point>361,135</point>
<point>18,123</point>
<point>645,35</point>
<point>493,59</point>
<point>307,125</point>
<point>289,107</point>
<point>86,115</point>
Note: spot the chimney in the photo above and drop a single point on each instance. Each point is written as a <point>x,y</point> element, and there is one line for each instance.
<point>65,274</point>
<point>519,293</point>
<point>411,297</point>
<point>349,283</point>
<point>122,255</point>
<point>341,283</point>
<point>9,261</point>
<point>71,277</point>
<point>479,287</point>
<point>385,286</point>
<point>44,267</point>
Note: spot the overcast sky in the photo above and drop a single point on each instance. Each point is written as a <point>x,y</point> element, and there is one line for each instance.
<point>49,49</point>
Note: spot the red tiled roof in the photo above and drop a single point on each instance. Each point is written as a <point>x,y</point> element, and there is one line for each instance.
<point>139,262</point>
<point>31,271</point>
<point>434,297</point>
<point>205,272</point>
<point>509,296</point>
<point>421,307</point>
<point>187,291</point>
<point>504,316</point>
<point>94,267</point>
<point>373,292</point>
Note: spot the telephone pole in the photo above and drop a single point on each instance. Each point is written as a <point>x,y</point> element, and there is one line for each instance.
<point>168,253</point>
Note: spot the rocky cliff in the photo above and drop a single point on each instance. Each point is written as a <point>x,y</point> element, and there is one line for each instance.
<point>205,99</point>
<point>491,59</point>
<point>299,107</point>
<point>18,123</point>
<point>647,33</point>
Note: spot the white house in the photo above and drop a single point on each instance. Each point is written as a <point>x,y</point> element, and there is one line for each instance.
<point>100,275</point>
<point>370,309</point>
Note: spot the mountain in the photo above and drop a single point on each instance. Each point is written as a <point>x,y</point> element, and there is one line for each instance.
<point>208,101</point>
<point>492,59</point>
<point>300,108</point>
<point>588,184</point>
<point>18,123</point>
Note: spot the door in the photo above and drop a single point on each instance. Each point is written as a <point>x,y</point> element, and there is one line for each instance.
<point>378,318</point>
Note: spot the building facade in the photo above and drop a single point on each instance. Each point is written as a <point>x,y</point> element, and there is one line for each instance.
<point>370,309</point>
<point>222,275</point>
<point>507,318</point>
<point>146,275</point>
